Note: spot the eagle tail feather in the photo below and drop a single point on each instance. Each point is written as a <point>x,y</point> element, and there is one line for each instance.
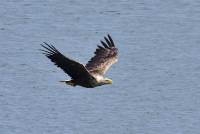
<point>69,82</point>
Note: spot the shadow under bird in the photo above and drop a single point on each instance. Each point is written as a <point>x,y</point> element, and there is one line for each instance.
<point>90,75</point>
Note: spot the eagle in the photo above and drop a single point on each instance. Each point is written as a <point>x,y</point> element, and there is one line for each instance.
<point>93,73</point>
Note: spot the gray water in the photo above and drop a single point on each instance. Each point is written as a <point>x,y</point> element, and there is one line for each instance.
<point>156,87</point>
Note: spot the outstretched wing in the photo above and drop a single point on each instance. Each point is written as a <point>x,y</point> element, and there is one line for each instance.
<point>105,56</point>
<point>69,66</point>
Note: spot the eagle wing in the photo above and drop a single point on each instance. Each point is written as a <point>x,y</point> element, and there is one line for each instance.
<point>74,69</point>
<point>105,56</point>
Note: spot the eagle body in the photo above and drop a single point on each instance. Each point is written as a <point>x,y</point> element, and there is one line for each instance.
<point>88,83</point>
<point>92,74</point>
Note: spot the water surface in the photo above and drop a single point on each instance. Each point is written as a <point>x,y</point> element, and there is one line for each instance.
<point>156,81</point>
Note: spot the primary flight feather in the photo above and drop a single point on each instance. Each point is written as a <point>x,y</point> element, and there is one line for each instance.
<point>90,75</point>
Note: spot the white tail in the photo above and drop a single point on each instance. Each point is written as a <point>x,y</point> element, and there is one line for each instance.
<point>68,82</point>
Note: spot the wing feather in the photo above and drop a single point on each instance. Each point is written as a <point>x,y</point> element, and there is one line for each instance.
<point>108,42</point>
<point>69,66</point>
<point>105,56</point>
<point>104,44</point>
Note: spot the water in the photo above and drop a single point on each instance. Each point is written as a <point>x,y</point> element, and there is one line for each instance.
<point>156,81</point>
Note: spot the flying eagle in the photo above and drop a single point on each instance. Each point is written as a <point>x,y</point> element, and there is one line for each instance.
<point>90,75</point>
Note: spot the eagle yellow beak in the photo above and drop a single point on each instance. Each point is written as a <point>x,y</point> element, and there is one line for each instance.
<point>109,81</point>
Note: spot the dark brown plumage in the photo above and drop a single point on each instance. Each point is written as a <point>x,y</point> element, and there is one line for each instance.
<point>90,75</point>
<point>104,57</point>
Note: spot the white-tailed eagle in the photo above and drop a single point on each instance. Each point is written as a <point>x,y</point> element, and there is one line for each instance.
<point>90,75</point>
